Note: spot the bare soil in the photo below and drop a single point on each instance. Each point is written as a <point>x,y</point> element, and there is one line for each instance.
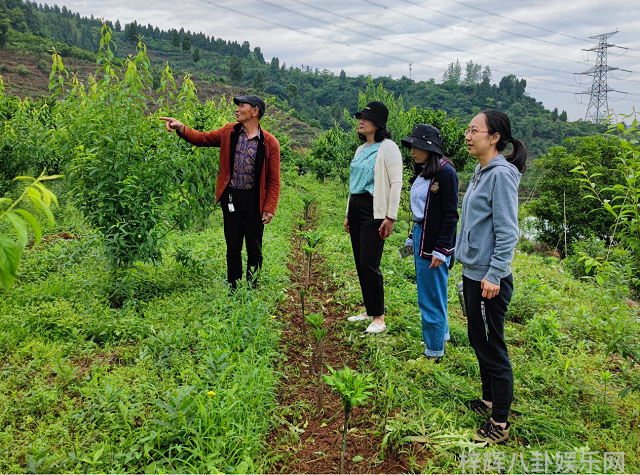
<point>306,441</point>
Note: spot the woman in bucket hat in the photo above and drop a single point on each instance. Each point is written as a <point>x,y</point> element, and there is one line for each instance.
<point>485,246</point>
<point>375,184</point>
<point>434,208</point>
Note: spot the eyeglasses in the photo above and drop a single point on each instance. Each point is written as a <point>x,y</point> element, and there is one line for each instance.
<point>475,131</point>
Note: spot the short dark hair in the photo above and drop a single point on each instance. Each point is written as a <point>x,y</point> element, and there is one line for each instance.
<point>379,136</point>
<point>498,122</point>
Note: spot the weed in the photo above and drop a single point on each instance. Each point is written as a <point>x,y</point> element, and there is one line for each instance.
<point>22,70</point>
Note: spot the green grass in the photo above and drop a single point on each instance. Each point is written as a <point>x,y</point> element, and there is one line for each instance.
<point>558,331</point>
<point>181,378</point>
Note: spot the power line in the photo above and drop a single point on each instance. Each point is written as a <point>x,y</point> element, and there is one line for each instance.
<point>472,35</point>
<point>490,27</point>
<point>626,93</point>
<point>302,32</point>
<point>518,21</point>
<point>535,78</point>
<point>573,93</point>
<point>625,79</point>
<point>350,30</point>
<point>280,7</point>
<point>558,13</point>
<point>306,33</point>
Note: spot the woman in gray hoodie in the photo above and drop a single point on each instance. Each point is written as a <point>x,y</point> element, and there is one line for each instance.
<point>485,246</point>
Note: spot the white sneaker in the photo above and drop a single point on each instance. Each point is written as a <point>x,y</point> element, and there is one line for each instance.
<point>358,318</point>
<point>375,328</point>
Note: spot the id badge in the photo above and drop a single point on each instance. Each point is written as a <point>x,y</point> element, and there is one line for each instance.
<point>405,251</point>
<point>231,208</point>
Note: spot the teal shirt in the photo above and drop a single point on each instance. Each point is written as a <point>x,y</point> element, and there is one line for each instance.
<point>362,168</point>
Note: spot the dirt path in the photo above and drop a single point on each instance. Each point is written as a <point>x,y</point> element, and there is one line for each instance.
<point>306,441</point>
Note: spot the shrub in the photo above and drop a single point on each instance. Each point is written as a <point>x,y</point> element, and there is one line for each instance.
<point>132,180</point>
<point>611,267</point>
<point>620,195</point>
<point>561,206</point>
<point>22,70</point>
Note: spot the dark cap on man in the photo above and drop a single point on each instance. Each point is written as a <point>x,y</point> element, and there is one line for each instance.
<point>254,101</point>
<point>424,137</point>
<point>376,112</point>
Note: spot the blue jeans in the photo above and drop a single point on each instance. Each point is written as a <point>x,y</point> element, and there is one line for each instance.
<point>432,298</point>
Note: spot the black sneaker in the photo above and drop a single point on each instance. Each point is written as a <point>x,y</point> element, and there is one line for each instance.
<point>479,407</point>
<point>490,433</point>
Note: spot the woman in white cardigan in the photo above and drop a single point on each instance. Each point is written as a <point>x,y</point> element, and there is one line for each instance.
<point>374,195</point>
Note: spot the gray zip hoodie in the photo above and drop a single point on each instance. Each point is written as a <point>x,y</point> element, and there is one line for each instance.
<point>489,224</point>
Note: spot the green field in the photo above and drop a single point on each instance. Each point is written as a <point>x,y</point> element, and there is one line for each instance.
<point>179,379</point>
<point>182,377</point>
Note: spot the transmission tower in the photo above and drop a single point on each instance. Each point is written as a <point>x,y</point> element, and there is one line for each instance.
<point>598,108</point>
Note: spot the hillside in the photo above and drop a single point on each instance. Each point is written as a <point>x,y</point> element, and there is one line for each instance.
<point>318,97</point>
<point>26,74</point>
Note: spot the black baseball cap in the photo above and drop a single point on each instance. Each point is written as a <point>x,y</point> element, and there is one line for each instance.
<point>255,101</point>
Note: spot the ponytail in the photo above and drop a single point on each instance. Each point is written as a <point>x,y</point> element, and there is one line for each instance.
<point>498,122</point>
<point>519,155</point>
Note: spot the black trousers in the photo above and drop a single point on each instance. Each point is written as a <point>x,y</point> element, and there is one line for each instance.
<point>244,223</point>
<point>367,251</point>
<point>488,342</point>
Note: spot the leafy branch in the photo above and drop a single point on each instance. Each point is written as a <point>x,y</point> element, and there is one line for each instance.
<point>20,219</point>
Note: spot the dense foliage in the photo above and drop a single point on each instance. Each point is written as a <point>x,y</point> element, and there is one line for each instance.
<point>619,196</point>
<point>561,207</point>
<point>27,139</point>
<point>126,172</point>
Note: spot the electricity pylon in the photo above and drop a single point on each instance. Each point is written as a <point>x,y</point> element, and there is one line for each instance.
<point>598,108</point>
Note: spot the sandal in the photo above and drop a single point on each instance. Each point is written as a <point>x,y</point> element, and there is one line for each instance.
<point>479,407</point>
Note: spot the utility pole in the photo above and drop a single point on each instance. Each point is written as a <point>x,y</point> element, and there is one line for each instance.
<point>410,64</point>
<point>598,108</point>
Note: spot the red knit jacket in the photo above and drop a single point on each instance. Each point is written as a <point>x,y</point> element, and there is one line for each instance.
<point>267,160</point>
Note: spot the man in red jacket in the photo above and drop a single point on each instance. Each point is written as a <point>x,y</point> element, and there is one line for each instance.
<point>248,184</point>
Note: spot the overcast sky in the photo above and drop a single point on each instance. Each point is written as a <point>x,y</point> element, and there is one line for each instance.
<point>542,41</point>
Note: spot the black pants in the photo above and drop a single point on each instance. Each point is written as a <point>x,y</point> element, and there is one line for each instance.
<point>367,251</point>
<point>244,223</point>
<point>488,342</point>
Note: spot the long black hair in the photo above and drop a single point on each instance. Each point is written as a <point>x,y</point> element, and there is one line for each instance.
<point>430,168</point>
<point>379,136</point>
<point>498,122</point>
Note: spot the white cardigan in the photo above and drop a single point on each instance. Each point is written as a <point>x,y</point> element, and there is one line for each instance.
<point>387,181</point>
